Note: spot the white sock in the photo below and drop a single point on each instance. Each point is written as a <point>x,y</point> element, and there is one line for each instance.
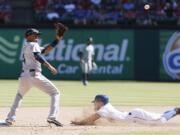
<point>54,109</point>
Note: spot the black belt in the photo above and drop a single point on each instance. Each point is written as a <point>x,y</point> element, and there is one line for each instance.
<point>30,70</point>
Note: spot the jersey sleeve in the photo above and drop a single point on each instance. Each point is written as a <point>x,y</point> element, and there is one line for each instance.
<point>36,48</point>
<point>103,112</point>
<point>42,48</point>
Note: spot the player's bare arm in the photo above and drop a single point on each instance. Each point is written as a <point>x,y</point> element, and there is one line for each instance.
<point>51,46</point>
<point>87,121</point>
<point>43,61</point>
<point>50,67</point>
<point>60,30</point>
<point>99,101</point>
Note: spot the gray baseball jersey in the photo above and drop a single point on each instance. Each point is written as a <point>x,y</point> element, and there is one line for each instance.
<point>29,61</point>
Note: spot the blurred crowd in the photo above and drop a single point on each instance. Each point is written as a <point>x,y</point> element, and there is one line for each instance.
<point>83,12</point>
<point>101,12</point>
<point>5,11</point>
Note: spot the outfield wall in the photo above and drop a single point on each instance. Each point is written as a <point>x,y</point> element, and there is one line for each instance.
<point>121,54</point>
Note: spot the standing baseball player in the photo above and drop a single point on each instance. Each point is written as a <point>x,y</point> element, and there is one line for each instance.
<point>106,110</point>
<point>86,55</point>
<point>31,73</point>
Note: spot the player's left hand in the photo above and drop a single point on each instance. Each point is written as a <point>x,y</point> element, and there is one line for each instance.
<point>60,30</point>
<point>57,37</point>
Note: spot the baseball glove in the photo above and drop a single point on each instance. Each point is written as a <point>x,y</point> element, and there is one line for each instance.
<point>61,28</point>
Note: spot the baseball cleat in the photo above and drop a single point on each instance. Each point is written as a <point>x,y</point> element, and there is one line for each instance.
<point>177,110</point>
<point>3,123</point>
<point>55,122</point>
<point>85,83</point>
<point>9,122</point>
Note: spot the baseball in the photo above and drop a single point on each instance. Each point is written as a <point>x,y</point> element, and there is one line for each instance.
<point>147,7</point>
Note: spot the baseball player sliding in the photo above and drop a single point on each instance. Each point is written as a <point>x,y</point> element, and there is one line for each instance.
<point>31,73</point>
<point>106,110</point>
<point>86,55</point>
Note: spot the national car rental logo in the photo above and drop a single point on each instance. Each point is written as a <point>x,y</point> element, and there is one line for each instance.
<point>8,50</point>
<point>171,56</point>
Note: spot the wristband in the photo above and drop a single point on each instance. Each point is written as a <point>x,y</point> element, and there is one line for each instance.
<point>54,43</point>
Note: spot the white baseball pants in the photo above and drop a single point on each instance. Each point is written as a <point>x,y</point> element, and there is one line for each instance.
<point>26,82</point>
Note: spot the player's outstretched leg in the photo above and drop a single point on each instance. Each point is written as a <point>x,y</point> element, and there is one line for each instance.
<point>10,120</point>
<point>24,87</point>
<point>143,116</point>
<point>171,113</point>
<point>84,67</point>
<point>54,110</point>
<point>48,87</point>
<point>85,79</point>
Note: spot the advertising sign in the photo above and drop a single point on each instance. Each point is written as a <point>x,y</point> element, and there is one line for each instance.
<point>170,55</point>
<point>114,53</point>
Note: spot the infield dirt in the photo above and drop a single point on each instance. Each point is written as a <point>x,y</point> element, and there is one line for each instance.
<point>32,121</point>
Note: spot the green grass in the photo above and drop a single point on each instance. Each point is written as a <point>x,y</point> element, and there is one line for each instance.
<point>121,93</point>
<point>135,133</point>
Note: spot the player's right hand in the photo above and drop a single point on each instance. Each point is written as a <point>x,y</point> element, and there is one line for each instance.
<point>53,70</point>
